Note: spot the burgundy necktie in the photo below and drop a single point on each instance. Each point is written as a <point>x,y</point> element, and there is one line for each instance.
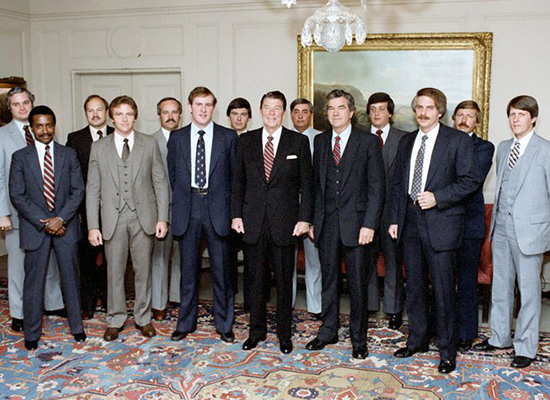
<point>336,151</point>
<point>269,156</point>
<point>28,135</point>
<point>49,183</point>
<point>379,133</point>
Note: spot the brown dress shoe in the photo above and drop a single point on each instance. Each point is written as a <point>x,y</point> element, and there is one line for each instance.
<point>159,315</point>
<point>87,314</point>
<point>147,330</point>
<point>111,334</point>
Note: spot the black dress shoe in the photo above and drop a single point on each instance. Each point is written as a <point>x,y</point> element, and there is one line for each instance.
<point>17,325</point>
<point>31,344</point>
<point>446,366</point>
<point>80,337</point>
<point>251,343</point>
<point>286,347</point>
<point>360,353</point>
<point>406,352</point>
<point>521,362</point>
<point>179,335</point>
<point>396,320</point>
<point>228,337</point>
<point>464,345</point>
<point>486,346</point>
<point>318,344</point>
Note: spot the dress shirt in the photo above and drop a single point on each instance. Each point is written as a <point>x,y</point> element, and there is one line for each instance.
<point>41,150</point>
<point>119,142</point>
<point>208,139</point>
<point>94,132</point>
<point>430,143</point>
<point>523,142</point>
<point>310,133</point>
<point>344,137</point>
<point>385,132</point>
<point>276,138</point>
<point>20,125</point>
<point>166,133</point>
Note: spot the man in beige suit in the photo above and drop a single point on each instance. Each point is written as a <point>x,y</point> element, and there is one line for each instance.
<point>128,190</point>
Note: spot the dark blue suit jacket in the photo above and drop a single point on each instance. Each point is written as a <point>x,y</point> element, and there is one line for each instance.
<point>26,194</point>
<point>222,160</point>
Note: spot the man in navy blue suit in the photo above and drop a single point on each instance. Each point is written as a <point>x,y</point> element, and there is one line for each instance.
<point>46,187</point>
<point>200,164</point>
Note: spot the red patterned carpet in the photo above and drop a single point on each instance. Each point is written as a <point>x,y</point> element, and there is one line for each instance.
<point>203,367</point>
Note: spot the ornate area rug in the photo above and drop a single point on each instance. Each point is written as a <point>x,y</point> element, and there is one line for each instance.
<point>203,367</point>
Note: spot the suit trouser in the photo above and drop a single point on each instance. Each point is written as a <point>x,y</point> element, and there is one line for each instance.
<point>421,259</point>
<point>175,274</point>
<point>36,266</point>
<point>358,269</point>
<point>93,277</point>
<point>466,300</point>
<point>53,299</point>
<point>313,279</point>
<point>163,251</point>
<point>128,235</point>
<point>200,226</point>
<point>509,262</point>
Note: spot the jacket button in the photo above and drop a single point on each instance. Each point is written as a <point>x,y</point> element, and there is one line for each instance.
<point>267,188</point>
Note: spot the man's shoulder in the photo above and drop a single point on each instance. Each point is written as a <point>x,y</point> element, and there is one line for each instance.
<point>397,132</point>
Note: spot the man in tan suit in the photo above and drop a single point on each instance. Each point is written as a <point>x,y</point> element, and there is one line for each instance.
<point>128,190</point>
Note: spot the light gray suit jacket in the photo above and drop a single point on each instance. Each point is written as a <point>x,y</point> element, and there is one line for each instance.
<point>149,184</point>
<point>531,203</point>
<point>11,140</point>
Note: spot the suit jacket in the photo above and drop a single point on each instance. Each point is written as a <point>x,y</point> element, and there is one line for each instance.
<point>452,177</point>
<point>361,197</point>
<point>26,192</point>
<point>475,203</point>
<point>11,140</point>
<point>220,174</point>
<point>149,184</point>
<point>531,200</point>
<point>254,198</point>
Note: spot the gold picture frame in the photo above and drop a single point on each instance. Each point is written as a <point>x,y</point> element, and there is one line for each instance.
<point>457,63</point>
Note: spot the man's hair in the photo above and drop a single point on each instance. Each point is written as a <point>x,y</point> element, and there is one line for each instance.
<point>381,97</point>
<point>436,95</point>
<point>275,94</point>
<point>239,102</point>
<point>41,110</point>
<point>337,93</point>
<point>525,103</point>
<point>469,105</point>
<point>120,100</point>
<point>17,90</point>
<point>301,100</point>
<point>201,91</point>
<point>95,96</point>
<point>180,108</point>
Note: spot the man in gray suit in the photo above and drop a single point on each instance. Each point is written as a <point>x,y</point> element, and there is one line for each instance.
<point>14,136</point>
<point>169,111</point>
<point>520,229</point>
<point>128,187</point>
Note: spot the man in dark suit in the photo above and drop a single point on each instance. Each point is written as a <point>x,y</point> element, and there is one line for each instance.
<point>201,156</point>
<point>349,195</point>
<point>46,187</point>
<point>466,116</point>
<point>271,205</point>
<point>435,172</point>
<point>93,277</point>
<point>380,108</point>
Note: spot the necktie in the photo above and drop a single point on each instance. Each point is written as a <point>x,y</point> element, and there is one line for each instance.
<point>514,155</point>
<point>336,150</point>
<point>99,134</point>
<point>269,156</point>
<point>28,135</point>
<point>125,151</point>
<point>49,183</point>
<point>379,133</point>
<point>200,162</point>
<point>418,165</point>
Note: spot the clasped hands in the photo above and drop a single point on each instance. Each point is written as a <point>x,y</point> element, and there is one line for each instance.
<point>301,227</point>
<point>54,226</point>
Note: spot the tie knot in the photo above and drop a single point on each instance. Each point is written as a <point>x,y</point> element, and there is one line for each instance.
<point>270,138</point>
<point>337,138</point>
<point>125,141</point>
<point>379,132</point>
<point>201,133</point>
<point>26,128</point>
<point>424,137</point>
<point>47,147</point>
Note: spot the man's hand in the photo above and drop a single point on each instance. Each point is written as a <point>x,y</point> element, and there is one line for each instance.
<point>393,231</point>
<point>161,229</point>
<point>300,228</point>
<point>94,237</point>
<point>53,226</point>
<point>311,234</point>
<point>366,236</point>
<point>237,225</point>
<point>426,200</point>
<point>5,223</point>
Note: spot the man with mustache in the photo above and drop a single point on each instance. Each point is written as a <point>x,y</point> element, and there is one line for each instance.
<point>466,117</point>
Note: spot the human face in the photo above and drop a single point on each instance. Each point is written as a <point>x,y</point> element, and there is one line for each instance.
<point>238,117</point>
<point>301,117</point>
<point>20,106</point>
<point>339,114</point>
<point>379,115</point>
<point>170,115</point>
<point>427,115</point>
<point>465,119</point>
<point>124,118</point>
<point>272,114</point>
<point>43,128</point>
<point>521,122</point>
<point>96,114</point>
<point>201,110</point>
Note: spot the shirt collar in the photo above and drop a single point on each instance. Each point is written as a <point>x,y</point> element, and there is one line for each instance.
<point>207,130</point>
<point>275,134</point>
<point>524,141</point>
<point>384,129</point>
<point>344,135</point>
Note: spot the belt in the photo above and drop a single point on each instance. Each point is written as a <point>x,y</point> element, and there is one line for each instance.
<point>201,191</point>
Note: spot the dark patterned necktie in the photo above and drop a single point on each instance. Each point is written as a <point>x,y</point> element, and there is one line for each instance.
<point>269,156</point>
<point>28,135</point>
<point>200,162</point>
<point>125,151</point>
<point>379,133</point>
<point>336,152</point>
<point>418,166</point>
<point>49,182</point>
<point>514,155</point>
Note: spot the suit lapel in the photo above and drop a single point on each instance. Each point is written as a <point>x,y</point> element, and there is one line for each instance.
<point>502,157</point>
<point>136,155</point>
<point>408,149</point>
<point>438,152</point>
<point>217,146</point>
<point>258,151</point>
<point>59,161</point>
<point>526,160</point>
<point>389,151</point>
<point>112,157</point>
<point>34,167</point>
<point>185,144</point>
<point>349,154</point>
<point>282,149</point>
<point>325,158</point>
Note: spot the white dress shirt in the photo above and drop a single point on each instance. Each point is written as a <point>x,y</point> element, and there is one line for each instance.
<point>385,132</point>
<point>344,137</point>
<point>97,133</point>
<point>430,143</point>
<point>276,138</point>
<point>41,150</point>
<point>523,142</point>
<point>119,142</point>
<point>310,133</point>
<point>166,133</point>
<point>208,139</point>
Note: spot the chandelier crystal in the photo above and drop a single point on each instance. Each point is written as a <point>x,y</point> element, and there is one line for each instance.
<point>288,3</point>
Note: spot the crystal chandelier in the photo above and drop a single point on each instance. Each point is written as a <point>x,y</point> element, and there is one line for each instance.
<point>332,26</point>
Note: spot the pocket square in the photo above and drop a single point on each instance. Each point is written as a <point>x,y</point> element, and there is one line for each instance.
<point>292,157</point>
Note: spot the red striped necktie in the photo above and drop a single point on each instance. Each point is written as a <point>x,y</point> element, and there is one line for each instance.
<point>28,135</point>
<point>269,156</point>
<point>49,183</point>
<point>336,151</point>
